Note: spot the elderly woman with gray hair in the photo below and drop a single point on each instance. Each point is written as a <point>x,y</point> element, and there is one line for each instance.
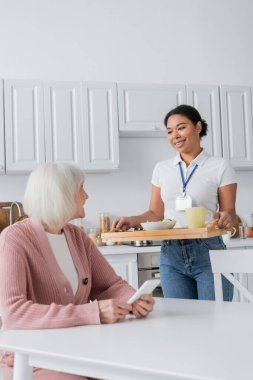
<point>52,274</point>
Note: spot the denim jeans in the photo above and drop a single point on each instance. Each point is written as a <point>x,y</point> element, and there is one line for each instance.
<point>186,272</point>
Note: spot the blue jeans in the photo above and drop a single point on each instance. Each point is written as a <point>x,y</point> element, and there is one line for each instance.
<point>186,272</point>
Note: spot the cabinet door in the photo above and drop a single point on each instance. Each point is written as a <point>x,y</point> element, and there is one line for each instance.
<point>206,100</point>
<point>24,125</point>
<point>63,133</point>
<point>101,137</point>
<point>237,133</point>
<point>142,107</point>
<point>2,152</point>
<point>125,266</point>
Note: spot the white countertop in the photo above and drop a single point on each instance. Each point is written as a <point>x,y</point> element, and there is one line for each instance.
<point>123,249</point>
<point>240,243</point>
<point>126,249</point>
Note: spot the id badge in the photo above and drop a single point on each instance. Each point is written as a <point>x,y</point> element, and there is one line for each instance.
<point>183,201</point>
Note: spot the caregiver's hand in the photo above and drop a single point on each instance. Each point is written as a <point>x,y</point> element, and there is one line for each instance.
<point>225,219</point>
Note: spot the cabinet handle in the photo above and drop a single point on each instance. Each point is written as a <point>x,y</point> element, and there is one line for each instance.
<point>156,128</point>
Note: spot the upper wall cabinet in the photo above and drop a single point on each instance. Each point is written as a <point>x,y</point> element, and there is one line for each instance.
<point>63,131</point>
<point>2,154</point>
<point>24,125</point>
<point>77,122</point>
<point>142,107</point>
<point>205,98</point>
<point>100,126</point>
<point>237,132</point>
<point>58,121</point>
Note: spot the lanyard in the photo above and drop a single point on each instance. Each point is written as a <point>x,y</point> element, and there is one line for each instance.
<point>185,183</point>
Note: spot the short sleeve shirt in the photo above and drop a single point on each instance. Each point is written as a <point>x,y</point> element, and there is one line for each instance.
<point>211,174</point>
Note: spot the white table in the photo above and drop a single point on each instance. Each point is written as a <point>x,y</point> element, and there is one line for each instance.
<point>181,339</point>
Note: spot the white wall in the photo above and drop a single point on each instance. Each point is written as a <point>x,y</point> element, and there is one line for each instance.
<point>156,41</point>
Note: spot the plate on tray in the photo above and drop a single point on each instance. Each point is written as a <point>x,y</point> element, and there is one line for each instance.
<point>160,225</point>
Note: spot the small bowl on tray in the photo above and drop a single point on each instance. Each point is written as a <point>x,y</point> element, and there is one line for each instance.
<point>160,225</point>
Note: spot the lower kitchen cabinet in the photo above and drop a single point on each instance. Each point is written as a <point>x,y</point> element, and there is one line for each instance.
<point>125,265</point>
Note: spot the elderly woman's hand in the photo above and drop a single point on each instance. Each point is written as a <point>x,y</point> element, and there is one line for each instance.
<point>113,310</point>
<point>143,306</point>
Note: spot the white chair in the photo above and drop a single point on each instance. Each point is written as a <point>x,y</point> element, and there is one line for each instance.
<point>231,261</point>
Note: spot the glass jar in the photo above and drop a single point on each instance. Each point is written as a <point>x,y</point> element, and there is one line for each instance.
<point>92,233</point>
<point>243,230</point>
<point>104,222</point>
<point>99,241</point>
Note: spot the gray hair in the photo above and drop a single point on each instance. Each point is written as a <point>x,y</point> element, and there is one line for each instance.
<point>51,191</point>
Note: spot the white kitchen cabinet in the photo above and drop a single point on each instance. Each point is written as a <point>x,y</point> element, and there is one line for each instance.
<point>237,131</point>
<point>55,121</point>
<point>2,152</point>
<point>205,98</point>
<point>24,125</point>
<point>125,266</point>
<point>142,107</point>
<point>101,136</point>
<point>63,122</point>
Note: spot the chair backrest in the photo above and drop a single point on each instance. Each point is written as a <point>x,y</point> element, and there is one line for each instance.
<point>231,261</point>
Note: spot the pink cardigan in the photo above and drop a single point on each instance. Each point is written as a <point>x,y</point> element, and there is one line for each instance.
<point>34,292</point>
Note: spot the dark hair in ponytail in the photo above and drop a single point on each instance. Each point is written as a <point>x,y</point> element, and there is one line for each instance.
<point>191,113</point>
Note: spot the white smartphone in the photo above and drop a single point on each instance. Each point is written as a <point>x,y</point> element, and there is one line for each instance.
<point>146,288</point>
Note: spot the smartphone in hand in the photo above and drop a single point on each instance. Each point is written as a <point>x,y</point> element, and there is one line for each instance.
<point>146,288</point>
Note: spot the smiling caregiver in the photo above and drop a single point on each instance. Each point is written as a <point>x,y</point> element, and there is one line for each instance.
<point>191,178</point>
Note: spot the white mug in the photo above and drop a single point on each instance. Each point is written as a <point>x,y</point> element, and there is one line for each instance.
<point>226,237</point>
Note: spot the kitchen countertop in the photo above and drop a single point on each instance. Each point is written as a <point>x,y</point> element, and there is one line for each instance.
<point>239,243</point>
<point>126,249</point>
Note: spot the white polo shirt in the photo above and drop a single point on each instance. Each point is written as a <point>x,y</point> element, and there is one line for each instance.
<point>211,173</point>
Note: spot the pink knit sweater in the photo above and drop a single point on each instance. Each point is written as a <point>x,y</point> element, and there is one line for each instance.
<point>34,292</point>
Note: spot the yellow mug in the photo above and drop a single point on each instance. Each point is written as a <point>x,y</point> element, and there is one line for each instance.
<point>196,216</point>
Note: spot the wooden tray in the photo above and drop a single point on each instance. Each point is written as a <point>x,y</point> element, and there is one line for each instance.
<point>170,234</point>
